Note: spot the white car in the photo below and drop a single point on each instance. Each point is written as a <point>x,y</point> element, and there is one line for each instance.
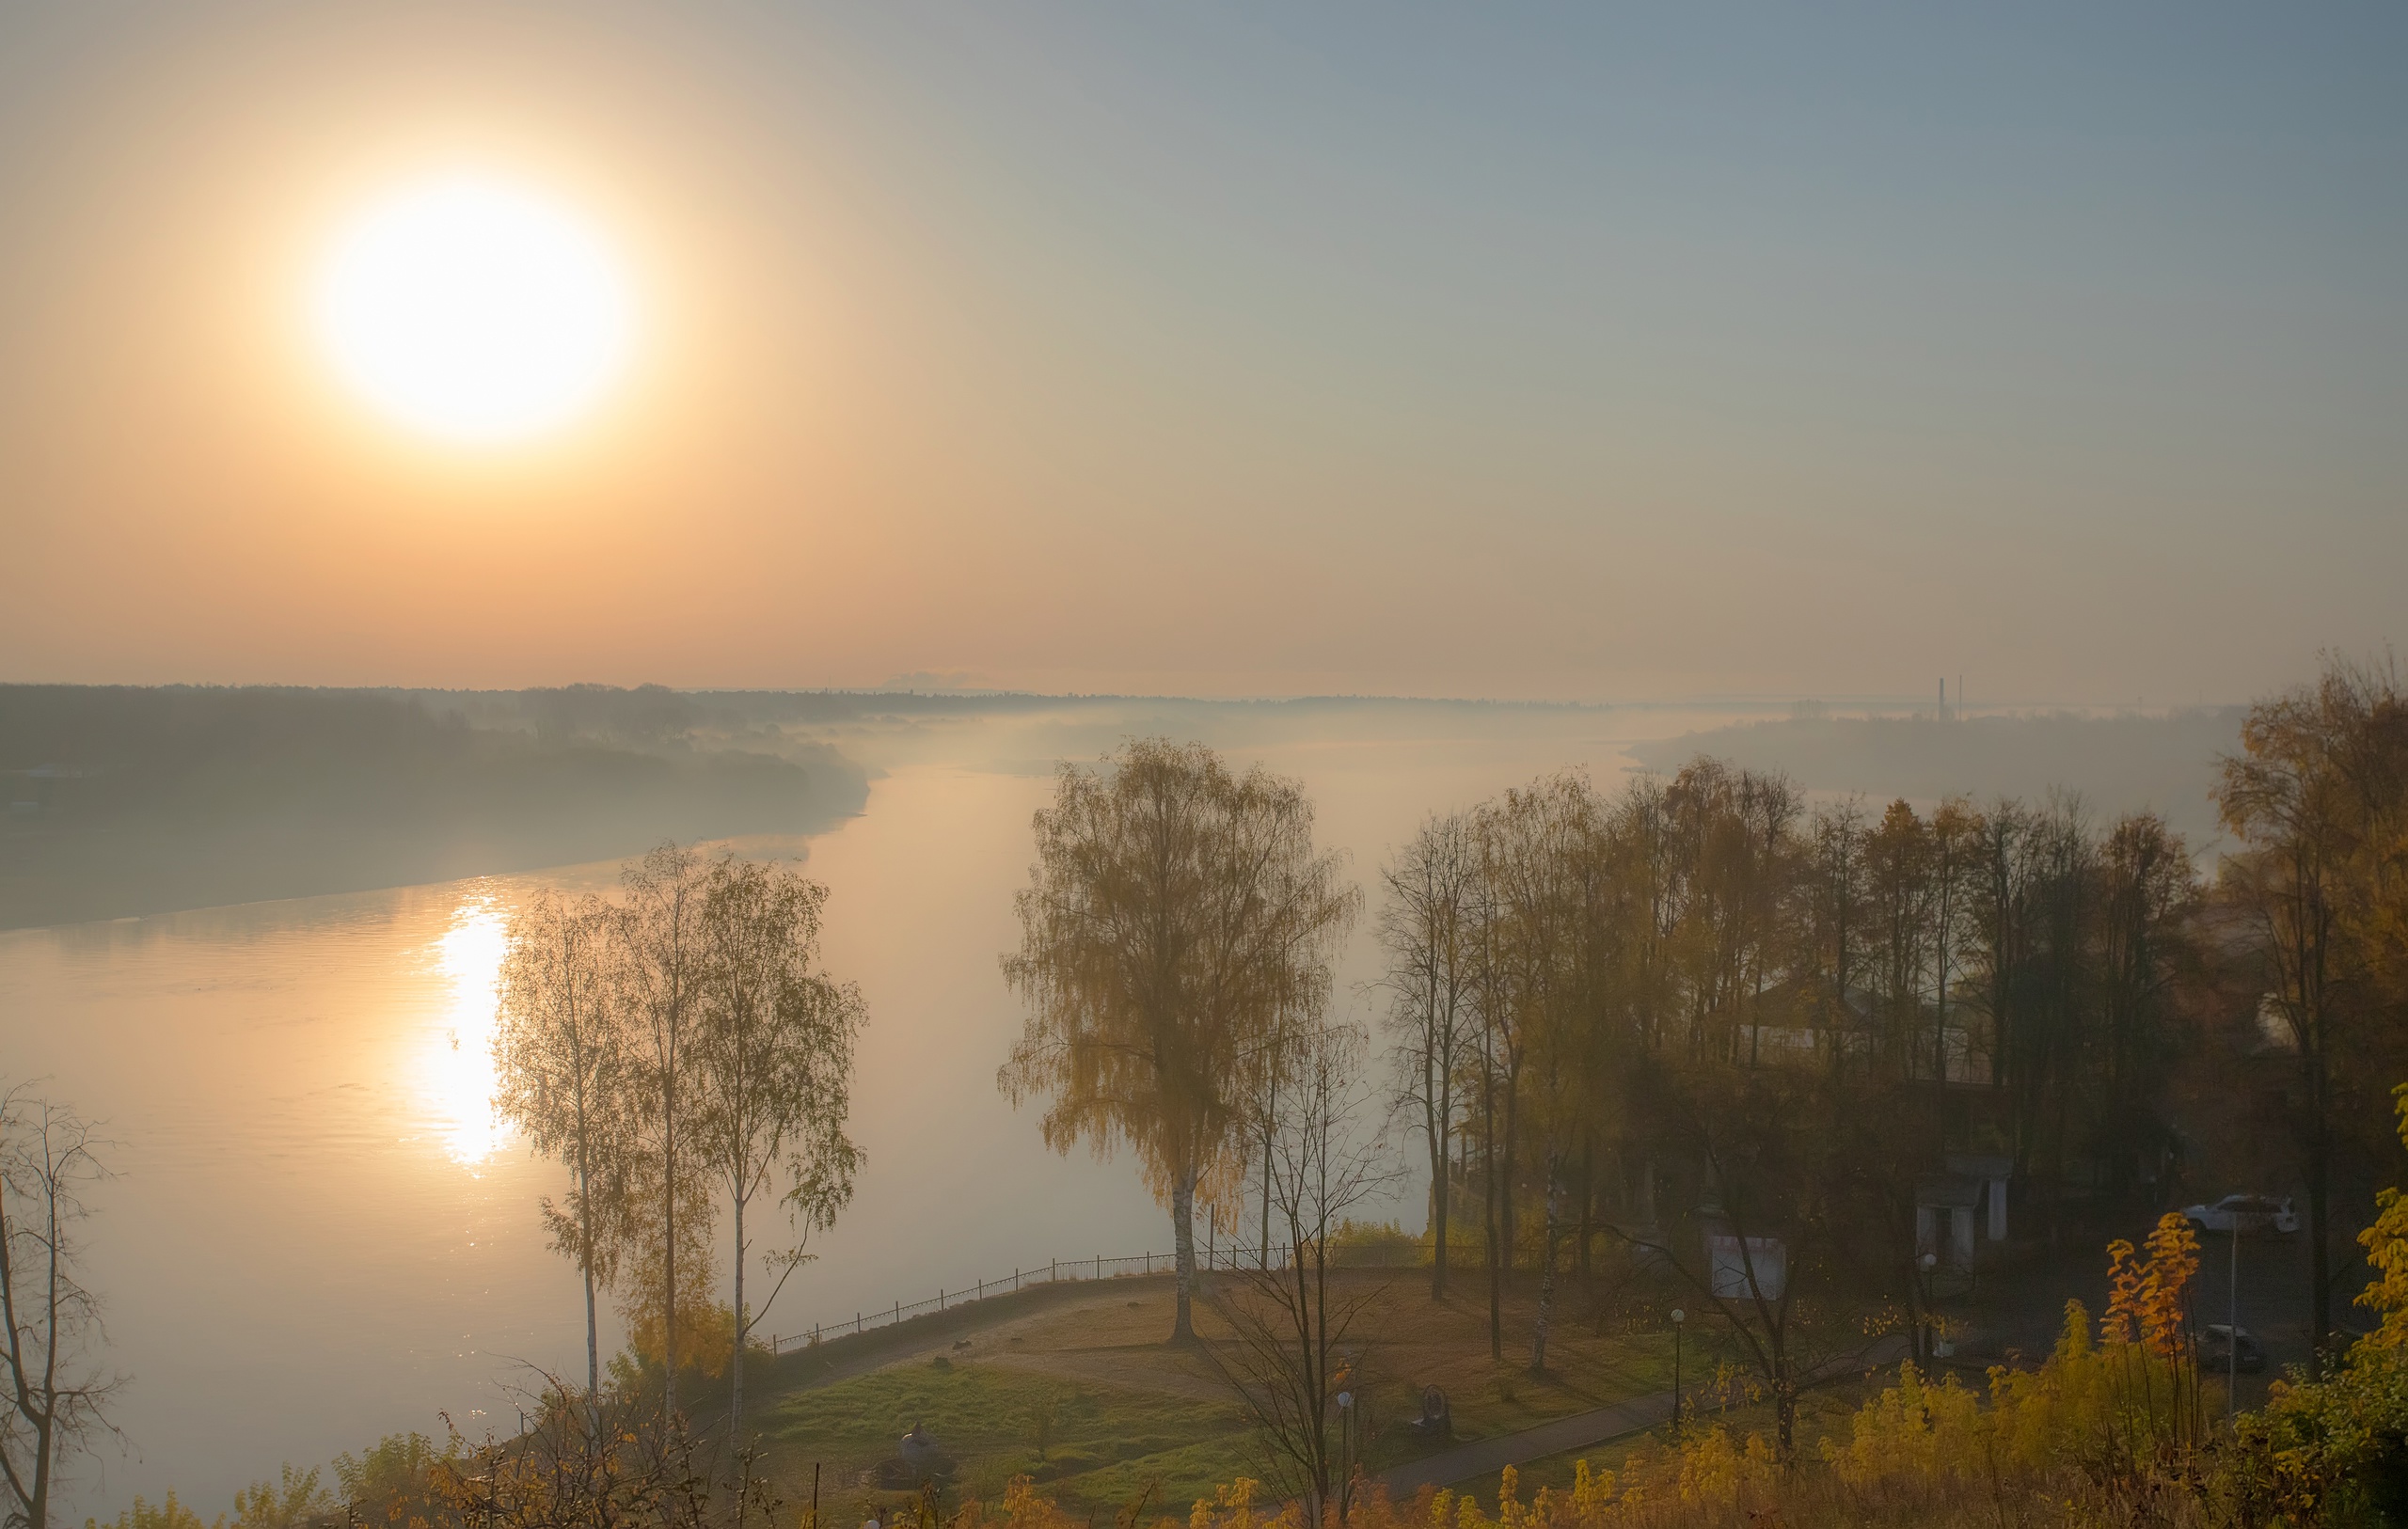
<point>2244,1213</point>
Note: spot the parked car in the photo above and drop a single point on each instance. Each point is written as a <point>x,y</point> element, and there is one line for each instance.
<point>2216,1355</point>
<point>2257,1213</point>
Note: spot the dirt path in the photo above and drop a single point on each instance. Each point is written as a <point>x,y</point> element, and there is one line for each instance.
<point>1487,1456</point>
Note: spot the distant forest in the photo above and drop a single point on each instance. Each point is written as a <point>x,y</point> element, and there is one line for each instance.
<point>122,800</point>
<point>2129,763</point>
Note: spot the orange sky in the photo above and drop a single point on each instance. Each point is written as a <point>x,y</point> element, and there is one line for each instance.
<point>1369,352</point>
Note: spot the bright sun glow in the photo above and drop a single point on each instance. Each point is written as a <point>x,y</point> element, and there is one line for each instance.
<point>458,1069</point>
<point>471,309</point>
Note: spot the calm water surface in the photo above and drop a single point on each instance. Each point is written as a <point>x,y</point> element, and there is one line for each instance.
<point>320,1234</point>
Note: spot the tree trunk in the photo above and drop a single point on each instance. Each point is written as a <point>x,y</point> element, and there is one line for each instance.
<point>668,1247</point>
<point>1507,1246</point>
<point>1262,1253</point>
<point>1488,1208</point>
<point>1182,1231</point>
<point>2319,1199</point>
<point>1435,1111</point>
<point>736,1359</point>
<point>1546,1269</point>
<point>585,1268</point>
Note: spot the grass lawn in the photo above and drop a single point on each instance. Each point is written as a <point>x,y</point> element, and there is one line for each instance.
<point>1106,1443</point>
<point>1127,1409</point>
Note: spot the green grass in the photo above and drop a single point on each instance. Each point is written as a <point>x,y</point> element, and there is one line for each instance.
<point>1106,1445</point>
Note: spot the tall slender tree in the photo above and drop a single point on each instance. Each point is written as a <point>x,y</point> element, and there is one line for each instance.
<point>562,1061</point>
<point>1898,887</point>
<point>1428,927</point>
<point>665,950</point>
<point>1956,859</point>
<point>774,1058</point>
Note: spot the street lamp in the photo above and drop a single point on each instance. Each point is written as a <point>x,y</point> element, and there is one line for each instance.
<point>1678,1317</point>
<point>1922,1319</point>
<point>2232,1319</point>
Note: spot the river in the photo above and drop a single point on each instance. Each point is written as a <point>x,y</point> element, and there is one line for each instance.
<point>318,1234</point>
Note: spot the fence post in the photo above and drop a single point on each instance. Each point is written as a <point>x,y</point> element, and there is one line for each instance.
<point>857,1321</point>
<point>940,1297</point>
<point>1150,1260</point>
<point>1052,1271</point>
<point>1099,1266</point>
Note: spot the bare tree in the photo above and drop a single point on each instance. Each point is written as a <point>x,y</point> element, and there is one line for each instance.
<point>1286,1363</point>
<point>1770,1148</point>
<point>774,1060</point>
<point>58,1394</point>
<point>1429,927</point>
<point>1955,860</point>
<point>561,1056</point>
<point>1176,921</point>
<point>1535,851</point>
<point>1833,916</point>
<point>1900,895</point>
<point>2001,913</point>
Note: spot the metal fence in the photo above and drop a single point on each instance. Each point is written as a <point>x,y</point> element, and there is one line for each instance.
<point>1060,1270</point>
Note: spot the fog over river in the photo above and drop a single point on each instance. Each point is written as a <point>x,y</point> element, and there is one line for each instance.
<point>320,1234</point>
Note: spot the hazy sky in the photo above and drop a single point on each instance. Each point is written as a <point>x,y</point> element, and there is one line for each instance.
<point>1575,351</point>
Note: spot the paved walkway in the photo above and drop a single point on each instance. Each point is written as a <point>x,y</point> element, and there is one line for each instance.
<point>1487,1456</point>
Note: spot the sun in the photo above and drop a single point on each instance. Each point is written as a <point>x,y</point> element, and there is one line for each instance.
<point>475,310</point>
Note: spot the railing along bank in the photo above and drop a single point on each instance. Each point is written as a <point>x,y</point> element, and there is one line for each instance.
<point>1059,1270</point>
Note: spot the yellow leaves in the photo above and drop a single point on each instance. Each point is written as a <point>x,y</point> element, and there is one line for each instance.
<point>2386,1245</point>
<point>147,1515</point>
<point>1913,1429</point>
<point>2145,1295</point>
<point>1230,1507</point>
<point>1022,1509</point>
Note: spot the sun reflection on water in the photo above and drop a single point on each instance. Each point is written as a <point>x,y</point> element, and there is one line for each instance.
<point>458,1066</point>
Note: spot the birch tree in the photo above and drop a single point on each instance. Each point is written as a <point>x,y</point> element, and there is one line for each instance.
<point>564,1065</point>
<point>1176,921</point>
<point>665,952</point>
<point>773,1059</point>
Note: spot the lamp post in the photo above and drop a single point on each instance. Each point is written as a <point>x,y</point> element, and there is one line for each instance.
<point>1678,1317</point>
<point>1922,1324</point>
<point>2232,1319</point>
